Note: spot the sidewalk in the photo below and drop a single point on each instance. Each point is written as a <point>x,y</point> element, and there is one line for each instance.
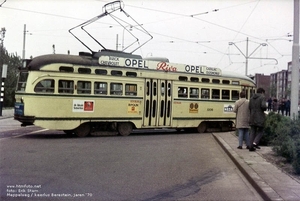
<point>7,113</point>
<point>269,181</point>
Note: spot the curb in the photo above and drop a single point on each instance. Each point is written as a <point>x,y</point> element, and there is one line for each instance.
<point>263,189</point>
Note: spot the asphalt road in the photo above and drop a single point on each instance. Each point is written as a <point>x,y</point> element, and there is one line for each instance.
<point>43,165</point>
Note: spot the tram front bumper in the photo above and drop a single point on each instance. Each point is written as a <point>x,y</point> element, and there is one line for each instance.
<point>25,120</point>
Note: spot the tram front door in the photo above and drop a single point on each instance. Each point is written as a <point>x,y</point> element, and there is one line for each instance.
<point>158,107</point>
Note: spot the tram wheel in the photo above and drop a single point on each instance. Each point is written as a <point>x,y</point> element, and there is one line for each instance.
<point>83,130</point>
<point>124,129</point>
<point>201,128</point>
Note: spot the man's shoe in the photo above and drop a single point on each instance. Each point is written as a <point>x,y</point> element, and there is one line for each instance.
<point>252,149</point>
<point>247,147</point>
<point>256,146</point>
<point>239,147</point>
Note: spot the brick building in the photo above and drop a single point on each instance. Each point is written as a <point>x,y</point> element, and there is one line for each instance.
<point>263,81</point>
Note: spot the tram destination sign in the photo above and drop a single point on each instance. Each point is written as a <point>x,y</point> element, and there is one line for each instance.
<point>157,65</point>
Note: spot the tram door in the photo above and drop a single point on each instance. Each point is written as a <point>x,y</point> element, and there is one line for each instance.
<point>158,96</point>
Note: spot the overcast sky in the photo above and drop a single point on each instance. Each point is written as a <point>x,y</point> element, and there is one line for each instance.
<point>185,31</point>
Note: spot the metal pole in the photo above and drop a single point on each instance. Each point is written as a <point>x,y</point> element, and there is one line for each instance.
<point>24,38</point>
<point>295,64</point>
<point>246,57</point>
<point>117,41</point>
<point>4,73</point>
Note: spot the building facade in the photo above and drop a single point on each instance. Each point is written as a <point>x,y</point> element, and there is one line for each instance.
<point>263,81</point>
<point>278,85</point>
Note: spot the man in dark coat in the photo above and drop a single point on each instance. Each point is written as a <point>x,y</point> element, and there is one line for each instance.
<point>257,107</point>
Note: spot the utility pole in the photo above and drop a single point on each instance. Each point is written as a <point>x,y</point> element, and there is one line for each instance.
<point>295,64</point>
<point>24,38</point>
<point>117,42</point>
<point>249,56</point>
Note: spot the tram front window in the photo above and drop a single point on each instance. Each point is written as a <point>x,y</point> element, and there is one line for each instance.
<point>22,81</point>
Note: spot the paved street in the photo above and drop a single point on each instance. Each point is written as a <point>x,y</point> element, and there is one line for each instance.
<point>46,164</point>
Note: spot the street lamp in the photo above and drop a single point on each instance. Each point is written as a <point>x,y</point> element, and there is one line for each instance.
<point>247,55</point>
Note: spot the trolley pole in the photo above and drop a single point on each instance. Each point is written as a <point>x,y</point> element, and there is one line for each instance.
<point>4,73</point>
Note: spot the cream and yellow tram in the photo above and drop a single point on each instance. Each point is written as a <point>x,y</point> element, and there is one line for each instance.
<point>112,91</point>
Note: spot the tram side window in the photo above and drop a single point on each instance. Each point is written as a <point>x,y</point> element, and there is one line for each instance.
<point>194,79</point>
<point>131,74</point>
<point>44,86</point>
<point>194,92</point>
<point>182,92</point>
<point>225,82</point>
<point>206,80</point>
<point>216,81</point>
<point>66,69</point>
<point>100,88</point>
<point>116,73</point>
<point>101,72</point>
<point>22,81</point>
<point>234,95</point>
<point>84,87</point>
<point>215,93</point>
<point>66,86</point>
<point>84,70</point>
<point>116,88</point>
<point>205,93</point>
<point>131,89</point>
<point>225,94</point>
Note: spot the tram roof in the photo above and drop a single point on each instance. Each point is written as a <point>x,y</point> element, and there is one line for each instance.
<point>87,59</point>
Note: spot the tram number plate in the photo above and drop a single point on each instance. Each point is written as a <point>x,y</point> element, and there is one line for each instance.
<point>210,109</point>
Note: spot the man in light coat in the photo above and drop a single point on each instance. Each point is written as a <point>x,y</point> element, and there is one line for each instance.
<point>241,108</point>
<point>257,106</point>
